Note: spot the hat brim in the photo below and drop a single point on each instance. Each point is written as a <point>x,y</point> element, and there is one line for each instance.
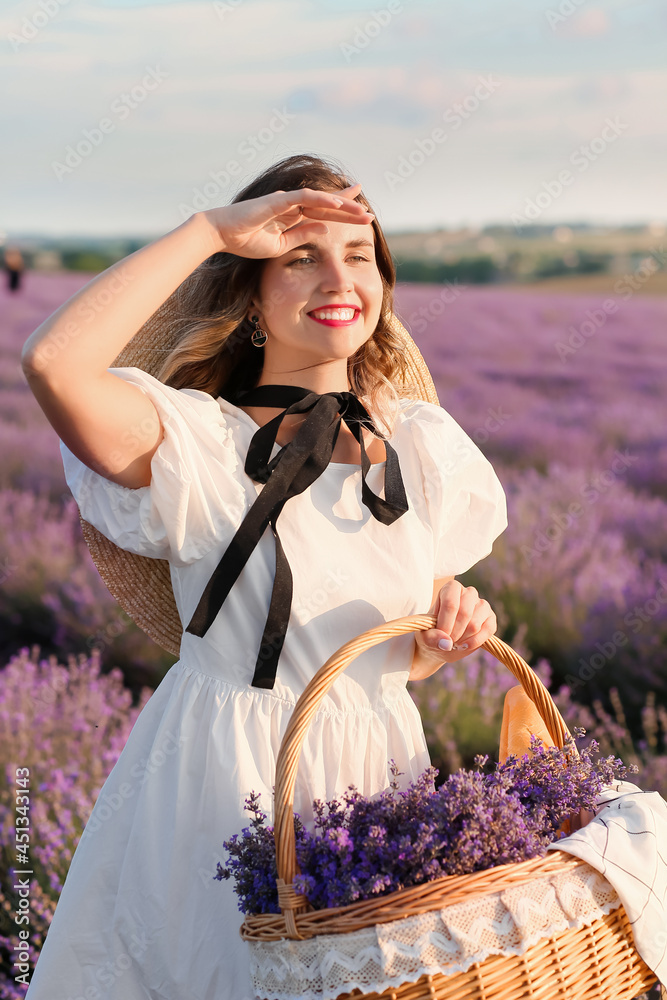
<point>142,586</point>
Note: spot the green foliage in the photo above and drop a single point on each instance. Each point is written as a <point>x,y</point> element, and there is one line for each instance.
<point>87,260</point>
<point>467,270</point>
<point>551,266</point>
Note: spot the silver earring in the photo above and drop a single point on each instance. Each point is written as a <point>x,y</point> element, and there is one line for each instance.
<point>259,336</point>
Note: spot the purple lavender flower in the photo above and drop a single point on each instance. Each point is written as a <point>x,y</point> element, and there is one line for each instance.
<point>359,847</point>
<point>68,725</point>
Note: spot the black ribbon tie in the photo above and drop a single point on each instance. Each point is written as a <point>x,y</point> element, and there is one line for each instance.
<point>293,469</point>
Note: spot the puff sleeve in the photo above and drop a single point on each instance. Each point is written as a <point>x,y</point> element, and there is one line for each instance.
<point>196,495</point>
<point>464,501</point>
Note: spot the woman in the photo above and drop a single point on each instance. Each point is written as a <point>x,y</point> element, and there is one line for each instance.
<point>286,311</point>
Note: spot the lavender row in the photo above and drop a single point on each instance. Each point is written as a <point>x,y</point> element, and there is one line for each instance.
<point>64,724</point>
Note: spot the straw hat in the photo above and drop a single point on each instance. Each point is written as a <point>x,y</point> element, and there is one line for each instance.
<point>142,586</point>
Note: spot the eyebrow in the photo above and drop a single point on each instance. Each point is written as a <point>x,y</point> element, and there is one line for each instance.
<point>360,242</point>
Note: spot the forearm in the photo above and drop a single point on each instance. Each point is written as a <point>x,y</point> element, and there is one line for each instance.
<point>82,338</point>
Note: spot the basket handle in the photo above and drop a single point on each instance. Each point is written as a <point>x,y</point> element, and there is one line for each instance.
<point>307,705</point>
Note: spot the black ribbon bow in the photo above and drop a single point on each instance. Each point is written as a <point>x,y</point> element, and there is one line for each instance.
<point>290,472</point>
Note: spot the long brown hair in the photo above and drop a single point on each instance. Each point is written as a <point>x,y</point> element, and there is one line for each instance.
<point>210,308</point>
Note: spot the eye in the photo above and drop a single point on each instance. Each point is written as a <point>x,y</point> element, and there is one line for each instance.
<point>301,260</point>
<point>359,257</point>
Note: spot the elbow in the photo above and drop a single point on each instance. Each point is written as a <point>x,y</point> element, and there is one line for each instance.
<point>42,363</point>
<point>33,369</point>
<point>34,362</point>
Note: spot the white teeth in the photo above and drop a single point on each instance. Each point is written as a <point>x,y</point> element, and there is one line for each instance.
<point>340,314</point>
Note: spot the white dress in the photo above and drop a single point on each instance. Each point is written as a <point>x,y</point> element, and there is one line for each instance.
<point>140,916</point>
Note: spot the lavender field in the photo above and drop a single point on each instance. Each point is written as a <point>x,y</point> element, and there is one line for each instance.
<point>578,435</point>
<point>50,592</point>
<point>563,393</point>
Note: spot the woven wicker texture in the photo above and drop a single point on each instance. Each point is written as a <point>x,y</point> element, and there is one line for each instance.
<point>595,962</point>
<point>142,586</point>
<point>598,962</point>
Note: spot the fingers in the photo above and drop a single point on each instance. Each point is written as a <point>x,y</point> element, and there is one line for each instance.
<point>431,640</point>
<point>264,227</point>
<point>296,235</point>
<point>341,214</point>
<point>454,608</point>
<point>334,206</point>
<point>462,617</point>
<point>477,634</point>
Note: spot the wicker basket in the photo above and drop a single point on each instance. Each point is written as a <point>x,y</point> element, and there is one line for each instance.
<point>587,963</point>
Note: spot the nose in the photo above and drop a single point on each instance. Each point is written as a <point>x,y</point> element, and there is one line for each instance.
<point>335,276</point>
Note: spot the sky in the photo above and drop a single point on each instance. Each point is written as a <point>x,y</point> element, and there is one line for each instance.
<point>124,117</point>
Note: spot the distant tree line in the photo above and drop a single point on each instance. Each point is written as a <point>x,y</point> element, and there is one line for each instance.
<point>484,269</point>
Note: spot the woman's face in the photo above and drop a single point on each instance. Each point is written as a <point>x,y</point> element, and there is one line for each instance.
<point>320,301</point>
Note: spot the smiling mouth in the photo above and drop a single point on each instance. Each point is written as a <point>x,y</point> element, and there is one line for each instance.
<point>335,315</point>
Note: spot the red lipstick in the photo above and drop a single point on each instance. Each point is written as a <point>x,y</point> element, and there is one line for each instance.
<point>342,308</point>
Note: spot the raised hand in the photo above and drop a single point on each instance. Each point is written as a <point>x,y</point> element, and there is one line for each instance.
<point>271,225</point>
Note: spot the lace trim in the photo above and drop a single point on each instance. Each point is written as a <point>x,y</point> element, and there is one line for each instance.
<point>445,941</point>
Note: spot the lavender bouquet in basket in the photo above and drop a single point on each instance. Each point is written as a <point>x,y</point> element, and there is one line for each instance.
<point>360,847</point>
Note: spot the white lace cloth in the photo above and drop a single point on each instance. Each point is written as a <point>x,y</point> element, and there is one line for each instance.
<point>625,850</point>
<point>627,843</point>
<point>448,940</point>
